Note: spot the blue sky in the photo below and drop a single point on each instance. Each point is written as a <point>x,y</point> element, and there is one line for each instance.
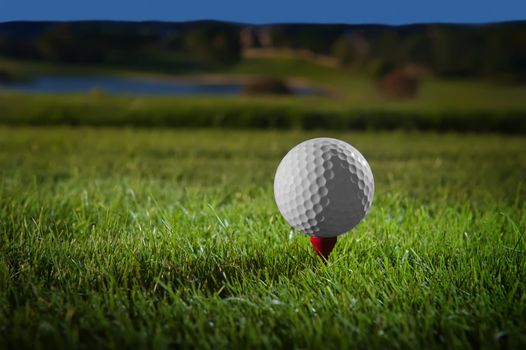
<point>268,11</point>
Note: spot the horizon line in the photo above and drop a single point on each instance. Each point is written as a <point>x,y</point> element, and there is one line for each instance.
<point>265,23</point>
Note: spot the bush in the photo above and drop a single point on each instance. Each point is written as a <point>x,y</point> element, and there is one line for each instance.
<point>6,77</point>
<point>19,109</point>
<point>267,86</point>
<point>378,68</point>
<point>399,83</point>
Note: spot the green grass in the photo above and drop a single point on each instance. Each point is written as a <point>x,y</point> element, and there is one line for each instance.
<point>96,109</point>
<point>356,104</point>
<point>353,88</point>
<point>149,238</point>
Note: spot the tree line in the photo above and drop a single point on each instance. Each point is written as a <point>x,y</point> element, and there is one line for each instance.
<point>490,50</point>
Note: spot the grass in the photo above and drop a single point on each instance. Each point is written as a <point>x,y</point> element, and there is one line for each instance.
<point>354,88</point>
<point>441,105</point>
<point>150,238</point>
<point>96,109</point>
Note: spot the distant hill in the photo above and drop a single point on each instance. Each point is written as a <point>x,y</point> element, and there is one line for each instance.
<point>494,49</point>
<point>29,30</point>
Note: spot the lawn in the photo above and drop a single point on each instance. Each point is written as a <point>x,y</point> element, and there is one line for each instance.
<point>354,102</point>
<point>171,238</point>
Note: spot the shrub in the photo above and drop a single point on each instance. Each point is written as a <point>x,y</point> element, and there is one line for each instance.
<point>400,83</point>
<point>105,110</point>
<point>267,86</point>
<point>6,77</point>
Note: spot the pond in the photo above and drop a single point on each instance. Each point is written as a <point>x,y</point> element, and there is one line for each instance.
<point>125,85</point>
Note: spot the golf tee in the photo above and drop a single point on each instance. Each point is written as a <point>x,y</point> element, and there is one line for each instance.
<point>323,246</point>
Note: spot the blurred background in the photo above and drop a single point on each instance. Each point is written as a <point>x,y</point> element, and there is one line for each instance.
<point>283,76</point>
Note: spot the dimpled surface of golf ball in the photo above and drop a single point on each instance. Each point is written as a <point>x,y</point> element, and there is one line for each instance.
<point>324,187</point>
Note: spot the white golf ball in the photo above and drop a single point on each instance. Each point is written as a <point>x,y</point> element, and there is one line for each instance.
<point>324,187</point>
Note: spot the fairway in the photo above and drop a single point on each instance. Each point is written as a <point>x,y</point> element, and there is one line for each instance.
<point>171,238</point>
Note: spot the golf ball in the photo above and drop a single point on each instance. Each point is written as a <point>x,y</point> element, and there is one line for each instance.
<point>324,187</point>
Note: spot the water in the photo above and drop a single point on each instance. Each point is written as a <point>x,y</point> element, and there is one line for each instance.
<point>121,85</point>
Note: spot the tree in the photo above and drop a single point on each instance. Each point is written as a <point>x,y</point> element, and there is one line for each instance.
<point>210,46</point>
<point>351,49</point>
<point>57,44</point>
